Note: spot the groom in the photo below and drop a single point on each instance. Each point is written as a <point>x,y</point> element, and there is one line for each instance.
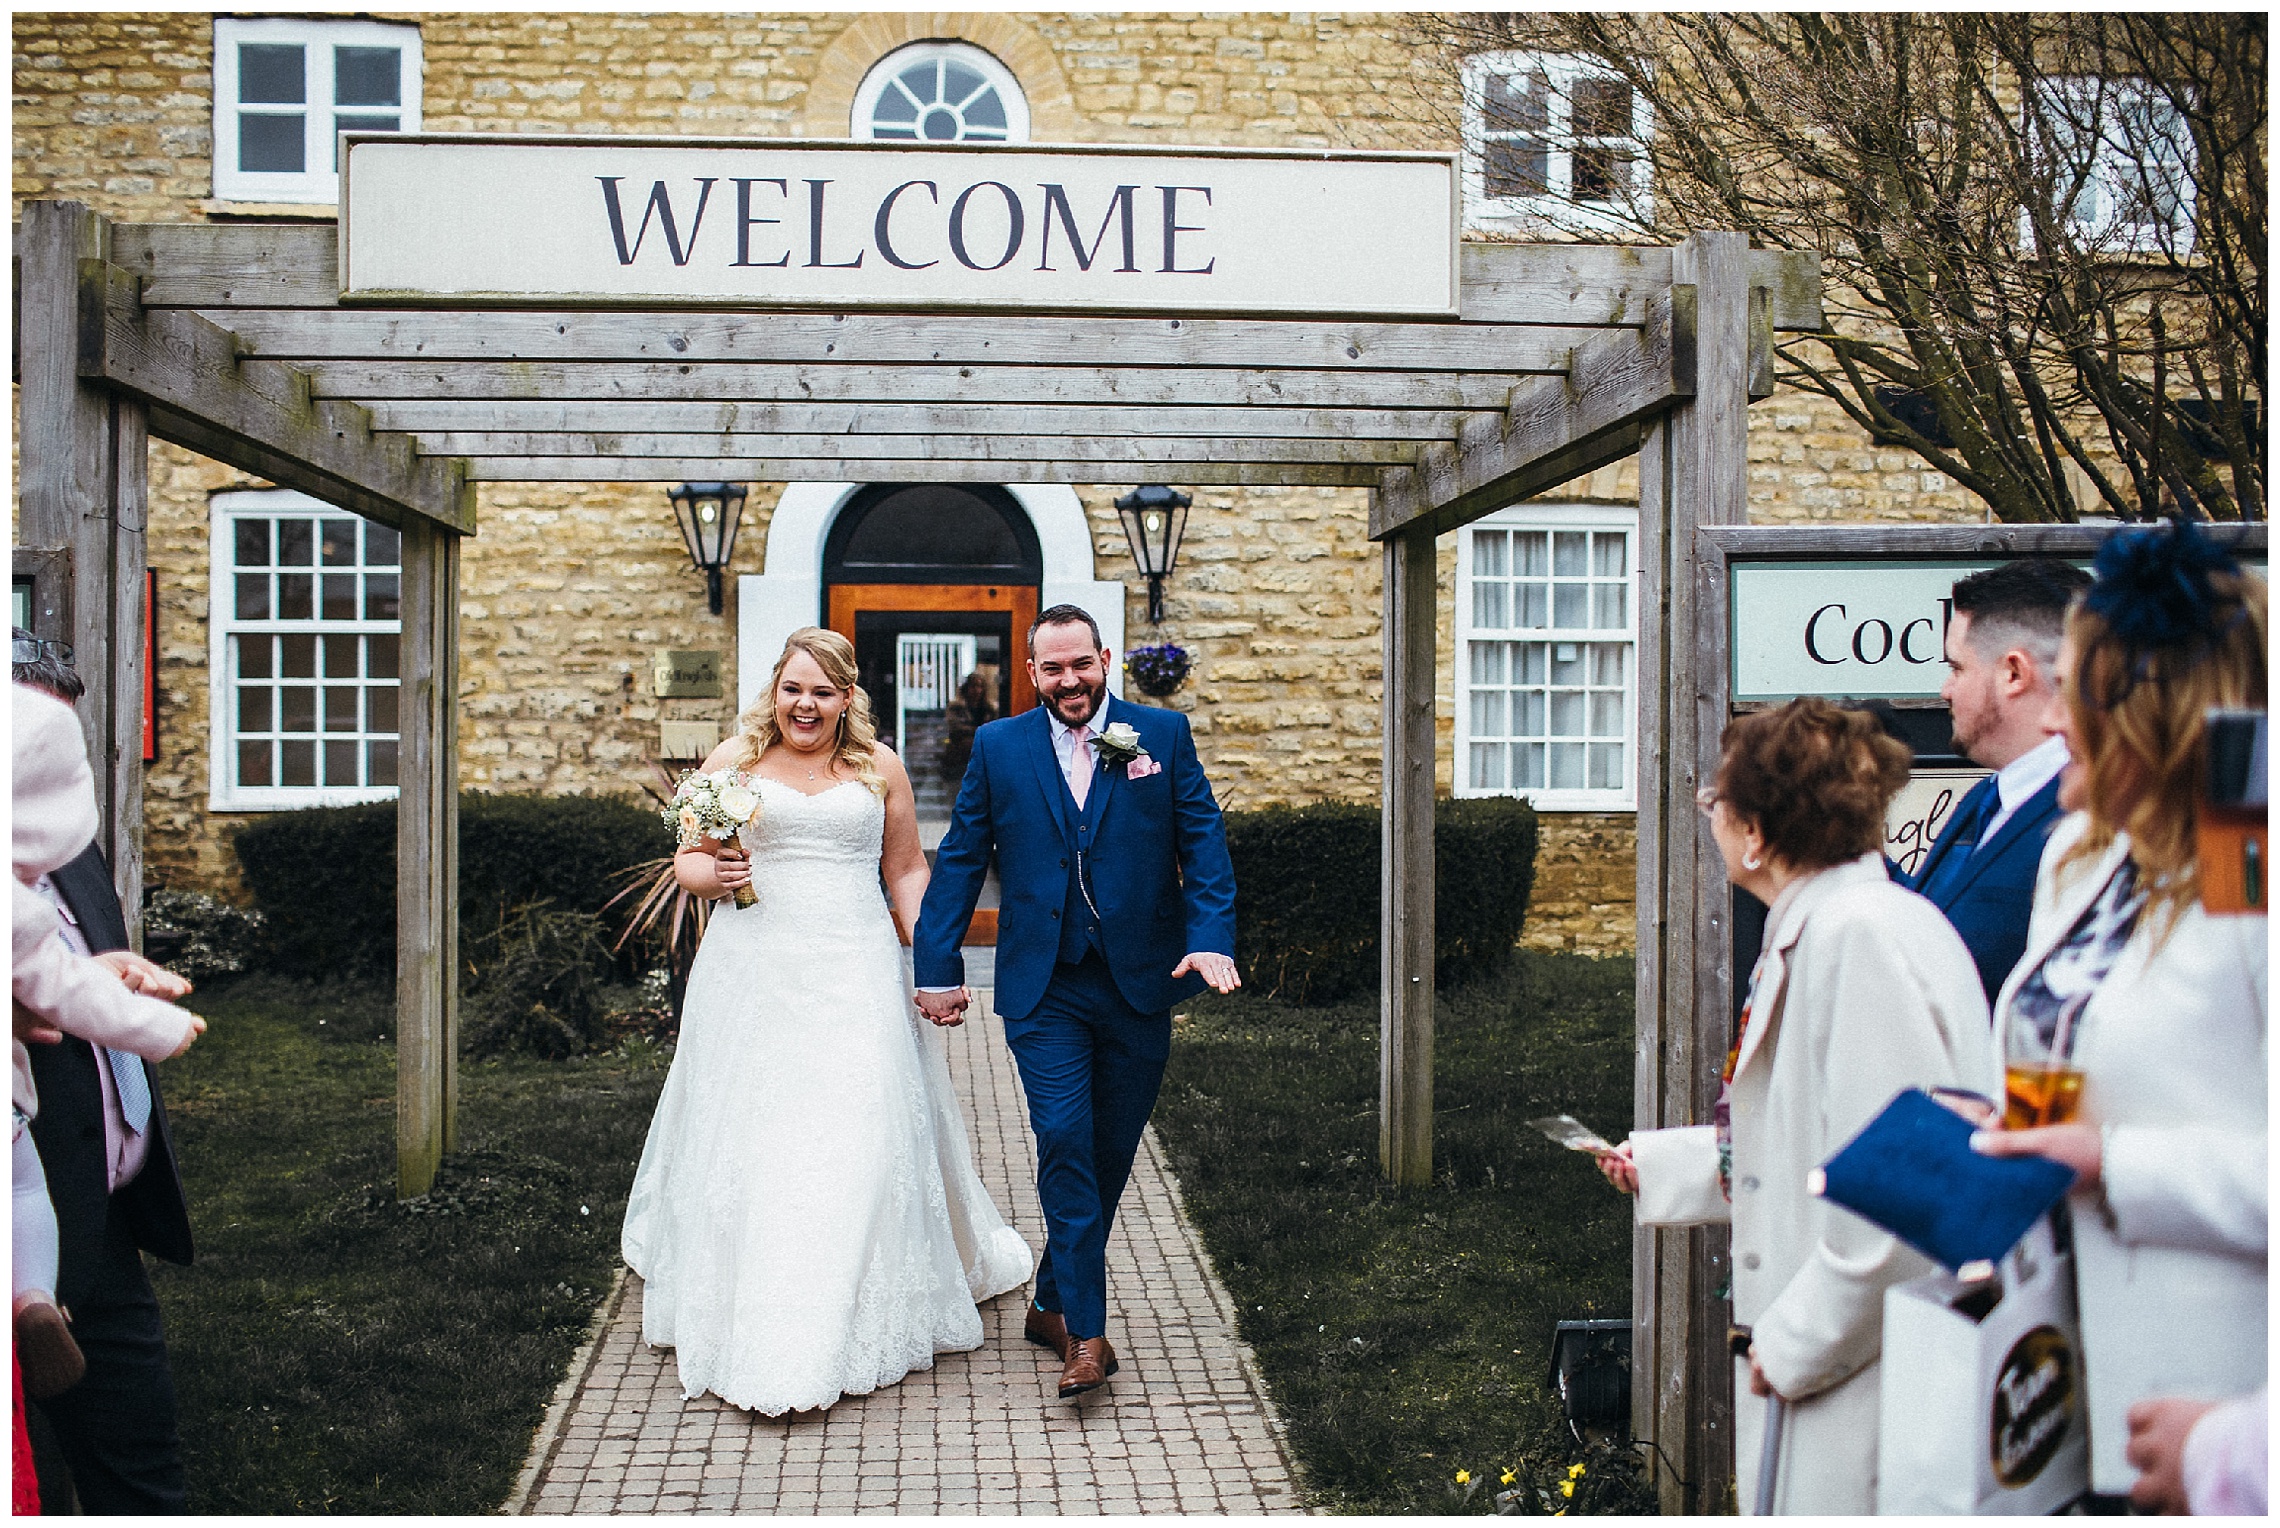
<point>1119,900</point>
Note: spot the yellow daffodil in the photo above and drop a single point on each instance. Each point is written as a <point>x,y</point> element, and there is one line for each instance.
<point>1575,1471</point>
<point>1567,1488</point>
<point>1464,1477</point>
<point>1508,1477</point>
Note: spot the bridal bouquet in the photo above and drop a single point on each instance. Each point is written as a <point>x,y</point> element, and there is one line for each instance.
<point>713,806</point>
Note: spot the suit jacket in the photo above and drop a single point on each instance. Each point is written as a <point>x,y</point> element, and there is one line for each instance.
<point>1866,990</point>
<point>69,1128</point>
<point>2170,1250</point>
<point>1157,862</point>
<point>1991,904</point>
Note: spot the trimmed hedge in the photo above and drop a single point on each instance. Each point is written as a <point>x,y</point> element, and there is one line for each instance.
<point>1306,893</point>
<point>326,877</point>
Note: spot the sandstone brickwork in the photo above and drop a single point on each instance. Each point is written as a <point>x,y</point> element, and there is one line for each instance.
<point>568,588</point>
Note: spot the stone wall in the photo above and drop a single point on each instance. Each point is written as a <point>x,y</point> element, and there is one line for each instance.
<point>568,588</point>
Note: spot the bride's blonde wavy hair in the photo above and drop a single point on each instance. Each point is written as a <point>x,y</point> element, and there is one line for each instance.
<point>858,736</point>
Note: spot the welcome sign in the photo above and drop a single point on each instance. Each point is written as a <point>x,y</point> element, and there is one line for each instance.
<point>476,218</point>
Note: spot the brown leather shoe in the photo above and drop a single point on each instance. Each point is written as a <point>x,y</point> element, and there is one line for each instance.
<point>51,1360</point>
<point>1091,1362</point>
<point>1047,1330</point>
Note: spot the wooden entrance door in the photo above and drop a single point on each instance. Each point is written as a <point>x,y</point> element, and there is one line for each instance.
<point>847,601</point>
<point>866,613</point>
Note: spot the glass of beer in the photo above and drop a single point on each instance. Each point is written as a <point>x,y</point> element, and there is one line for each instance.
<point>2041,1083</point>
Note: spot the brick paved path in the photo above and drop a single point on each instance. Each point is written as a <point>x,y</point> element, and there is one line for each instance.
<point>1184,1427</point>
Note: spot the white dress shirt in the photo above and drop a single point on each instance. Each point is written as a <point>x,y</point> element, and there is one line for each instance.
<point>2017,781</point>
<point>1065,746</point>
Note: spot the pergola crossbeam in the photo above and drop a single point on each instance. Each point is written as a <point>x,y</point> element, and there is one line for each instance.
<point>1104,450</point>
<point>428,417</point>
<point>1095,386</point>
<point>901,339</point>
<point>286,266</point>
<point>1554,428</point>
<point>205,394</point>
<point>903,469</point>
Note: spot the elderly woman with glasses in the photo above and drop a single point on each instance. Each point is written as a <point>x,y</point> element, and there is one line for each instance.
<point>1861,989</point>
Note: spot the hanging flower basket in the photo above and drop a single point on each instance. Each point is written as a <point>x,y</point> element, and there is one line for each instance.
<point>1158,668</point>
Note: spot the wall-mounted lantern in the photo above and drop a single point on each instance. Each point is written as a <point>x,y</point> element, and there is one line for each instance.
<point>708,513</point>
<point>1154,519</point>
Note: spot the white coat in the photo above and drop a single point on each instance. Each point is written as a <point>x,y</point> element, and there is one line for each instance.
<point>1866,990</point>
<point>2170,1251</point>
<point>53,818</point>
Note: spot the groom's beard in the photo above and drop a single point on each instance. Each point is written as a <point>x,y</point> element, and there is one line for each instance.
<point>1078,703</point>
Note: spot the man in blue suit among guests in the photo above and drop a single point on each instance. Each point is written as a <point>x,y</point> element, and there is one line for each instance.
<point>1119,900</point>
<point>2002,646</point>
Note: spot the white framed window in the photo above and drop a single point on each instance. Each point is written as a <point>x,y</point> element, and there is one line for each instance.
<point>1553,138</point>
<point>306,653</point>
<point>2119,161</point>
<point>1547,656</point>
<point>941,92</point>
<point>285,85</point>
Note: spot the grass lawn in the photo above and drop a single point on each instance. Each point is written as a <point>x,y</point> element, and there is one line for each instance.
<point>336,1351</point>
<point>1406,1333</point>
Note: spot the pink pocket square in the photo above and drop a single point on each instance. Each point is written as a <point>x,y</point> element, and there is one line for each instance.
<point>1142,768</point>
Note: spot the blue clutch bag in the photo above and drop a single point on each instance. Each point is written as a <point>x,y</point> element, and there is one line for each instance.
<point>1912,1171</point>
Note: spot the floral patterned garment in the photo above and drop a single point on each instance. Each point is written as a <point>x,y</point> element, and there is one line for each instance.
<point>2070,973</point>
<point>1722,1114</point>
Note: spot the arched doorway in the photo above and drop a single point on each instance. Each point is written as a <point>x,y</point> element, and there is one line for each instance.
<point>935,584</point>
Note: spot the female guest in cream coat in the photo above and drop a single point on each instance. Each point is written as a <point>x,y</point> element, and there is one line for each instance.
<point>2169,1208</point>
<point>1863,989</point>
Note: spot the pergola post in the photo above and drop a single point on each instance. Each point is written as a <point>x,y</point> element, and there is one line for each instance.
<point>1405,937</point>
<point>427,858</point>
<point>1693,471</point>
<point>81,491</point>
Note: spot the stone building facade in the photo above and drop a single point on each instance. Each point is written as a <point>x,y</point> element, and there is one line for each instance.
<point>569,589</point>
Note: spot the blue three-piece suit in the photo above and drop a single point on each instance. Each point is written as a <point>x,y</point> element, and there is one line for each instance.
<point>1987,889</point>
<point>1099,904</point>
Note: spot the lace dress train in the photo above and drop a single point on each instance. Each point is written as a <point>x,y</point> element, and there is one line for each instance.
<point>806,1216</point>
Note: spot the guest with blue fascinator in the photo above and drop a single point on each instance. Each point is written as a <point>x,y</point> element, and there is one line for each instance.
<point>2134,1027</point>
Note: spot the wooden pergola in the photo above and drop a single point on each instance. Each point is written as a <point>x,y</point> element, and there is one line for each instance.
<point>232,341</point>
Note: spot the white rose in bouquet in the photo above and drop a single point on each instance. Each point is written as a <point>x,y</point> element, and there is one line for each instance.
<point>738,802</point>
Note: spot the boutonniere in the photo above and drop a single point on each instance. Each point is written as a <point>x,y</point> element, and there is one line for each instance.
<point>1119,743</point>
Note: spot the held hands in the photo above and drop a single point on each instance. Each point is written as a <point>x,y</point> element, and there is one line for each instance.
<point>1217,971</point>
<point>946,1010</point>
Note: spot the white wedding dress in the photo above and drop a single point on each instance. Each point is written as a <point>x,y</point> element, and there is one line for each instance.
<point>806,1217</point>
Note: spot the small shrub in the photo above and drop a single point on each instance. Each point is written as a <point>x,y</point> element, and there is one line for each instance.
<point>326,877</point>
<point>1307,892</point>
<point>200,937</point>
<point>535,986</point>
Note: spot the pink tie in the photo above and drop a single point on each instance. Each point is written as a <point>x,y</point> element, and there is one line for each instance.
<point>1080,764</point>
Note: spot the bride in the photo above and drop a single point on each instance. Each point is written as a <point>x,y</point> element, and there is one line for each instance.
<point>806,1216</point>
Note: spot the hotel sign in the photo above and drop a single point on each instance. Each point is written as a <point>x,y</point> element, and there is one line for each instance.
<point>650,222</point>
<point>1862,630</point>
<point>1865,630</point>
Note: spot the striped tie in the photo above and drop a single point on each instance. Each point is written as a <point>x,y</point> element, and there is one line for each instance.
<point>134,1088</point>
